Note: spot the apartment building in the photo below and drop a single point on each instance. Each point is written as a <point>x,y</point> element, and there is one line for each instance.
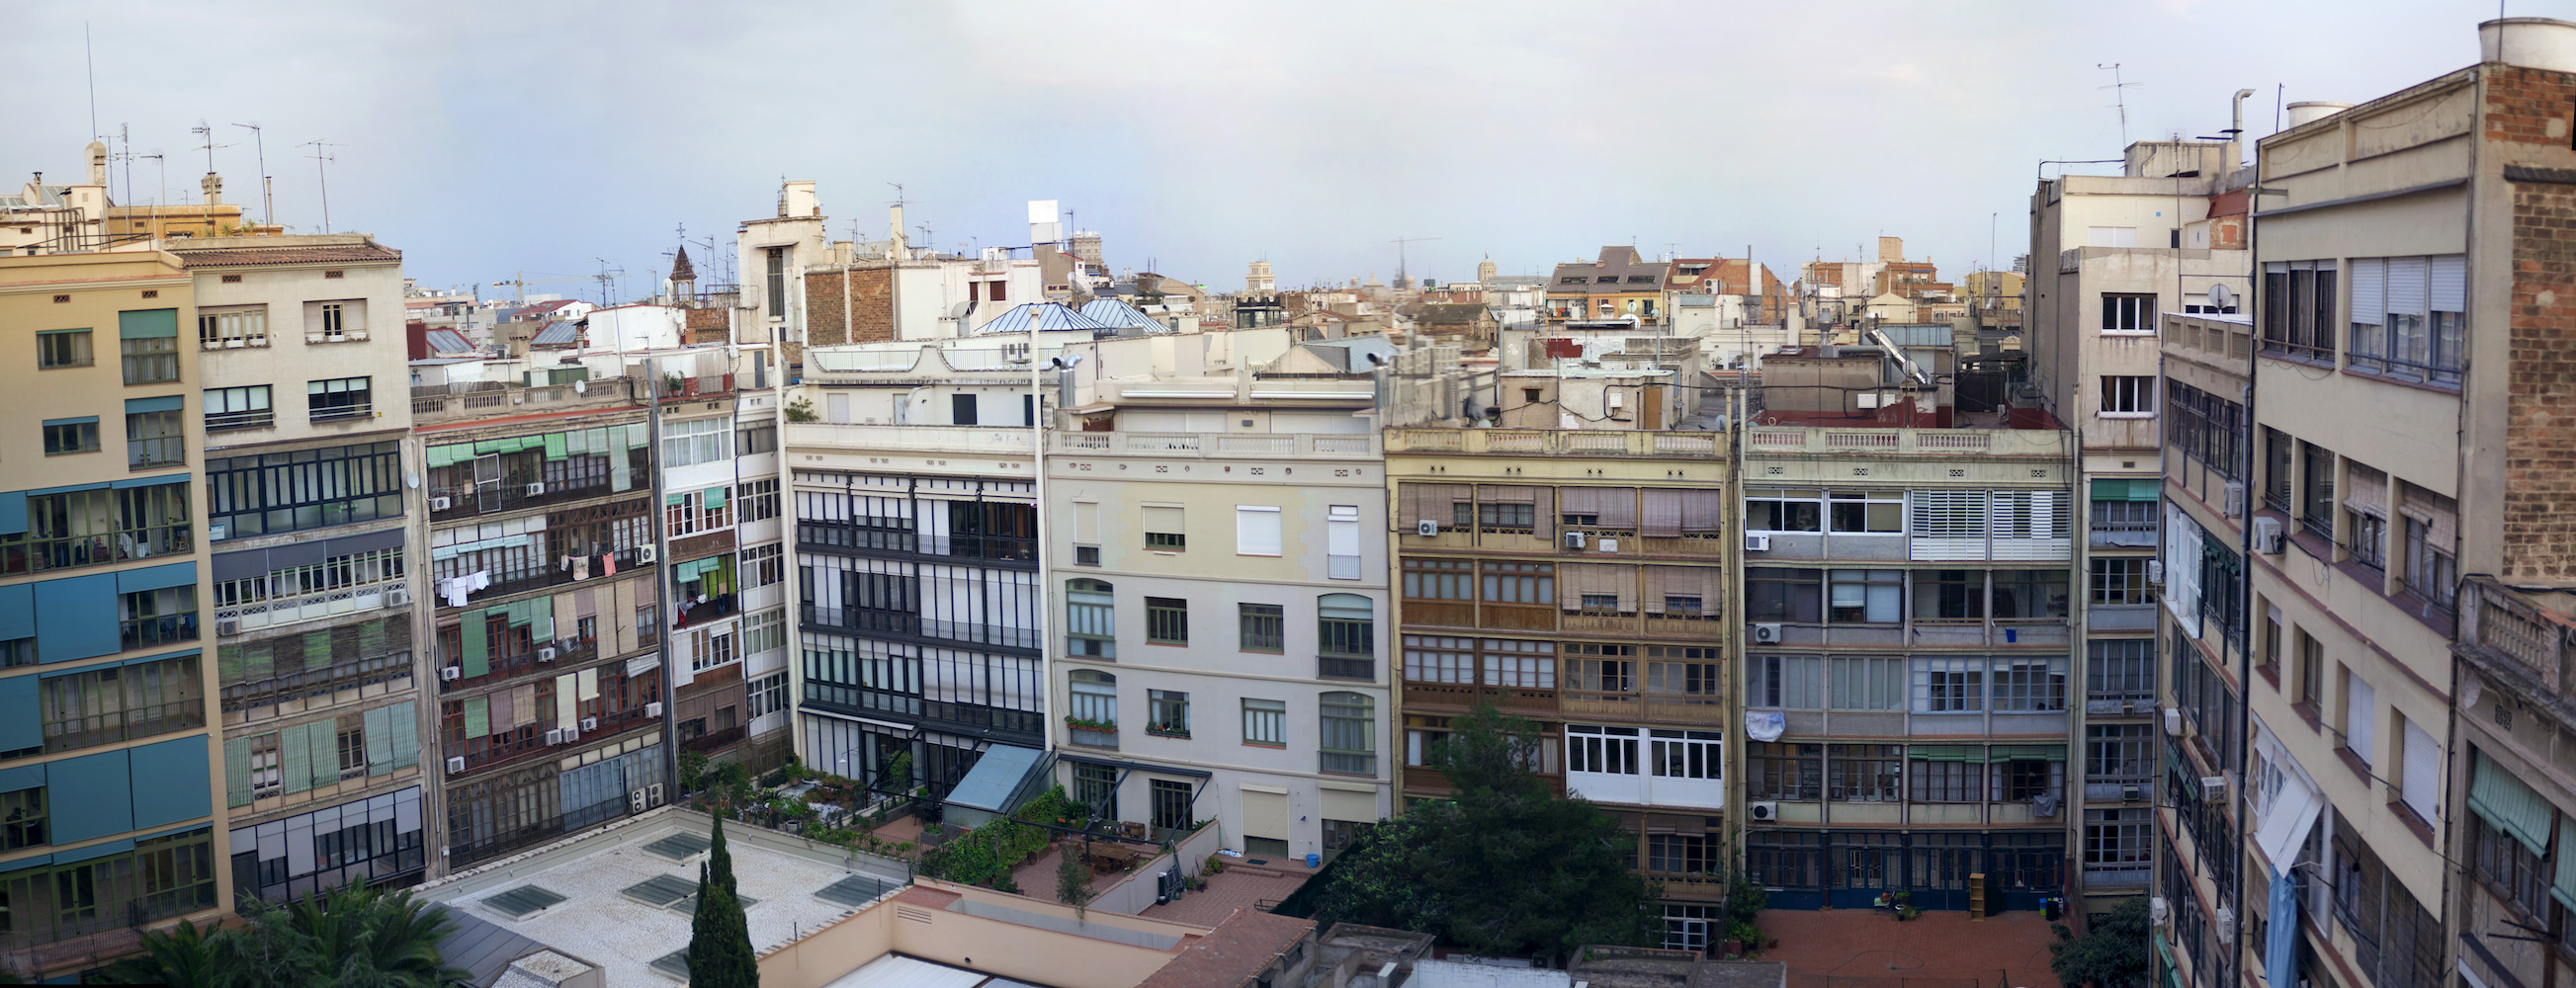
<point>1909,692</point>
<point>2407,376</point>
<point>1578,577</point>
<point>110,808</point>
<point>303,375</point>
<point>1620,282</point>
<point>1223,586</point>
<point>547,619</point>
<point>2165,236</point>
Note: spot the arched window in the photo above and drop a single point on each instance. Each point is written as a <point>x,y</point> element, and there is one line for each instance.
<point>1094,701</point>
<point>1346,636</point>
<point>1349,740</point>
<point>1090,620</point>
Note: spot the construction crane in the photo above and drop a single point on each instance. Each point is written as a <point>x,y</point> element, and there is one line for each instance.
<point>520,284</point>
<point>1399,242</point>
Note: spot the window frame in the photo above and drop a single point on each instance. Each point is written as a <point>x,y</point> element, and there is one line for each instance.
<point>1167,621</point>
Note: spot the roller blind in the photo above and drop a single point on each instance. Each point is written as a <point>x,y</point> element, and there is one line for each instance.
<point>2450,283</point>
<point>1617,505</point>
<point>2421,780</point>
<point>2366,491</point>
<point>1256,530</point>
<point>2360,719</point>
<point>1163,518</point>
<point>2369,290</point>
<point>2406,287</point>
<point>1662,517</point>
<point>1432,502</point>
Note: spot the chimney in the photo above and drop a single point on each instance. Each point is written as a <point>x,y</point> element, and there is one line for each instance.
<point>894,229</point>
<point>97,163</point>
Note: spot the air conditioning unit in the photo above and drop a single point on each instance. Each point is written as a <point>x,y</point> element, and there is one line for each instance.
<point>2156,571</point>
<point>227,628</point>
<point>653,709</point>
<point>2268,536</point>
<point>2174,724</point>
<point>2131,794</point>
<point>456,765</point>
<point>397,596</point>
<point>554,736</point>
<point>653,794</point>
<point>546,654</point>
<point>636,799</point>
<point>2226,924</point>
<point>2234,500</point>
<point>1766,633</point>
<point>589,724</point>
<point>1575,540</point>
<point>536,489</point>
<point>1606,545</point>
<point>1765,812</point>
<point>646,553</point>
<point>1426,528</point>
<point>2213,789</point>
<point>441,503</point>
<point>2159,912</point>
<point>451,673</point>
<point>1757,543</point>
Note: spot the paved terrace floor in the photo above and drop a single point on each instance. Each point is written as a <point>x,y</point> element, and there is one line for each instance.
<point>1864,948</point>
<point>1241,886</point>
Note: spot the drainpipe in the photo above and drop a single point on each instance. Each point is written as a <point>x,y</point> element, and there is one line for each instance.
<point>664,595</point>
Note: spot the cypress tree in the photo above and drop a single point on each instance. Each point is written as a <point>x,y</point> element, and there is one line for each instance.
<point>720,951</point>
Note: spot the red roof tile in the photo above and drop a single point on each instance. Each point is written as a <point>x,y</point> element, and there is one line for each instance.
<point>1230,955</point>
<point>234,257</point>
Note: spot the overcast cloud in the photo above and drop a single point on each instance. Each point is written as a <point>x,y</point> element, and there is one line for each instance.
<point>483,138</point>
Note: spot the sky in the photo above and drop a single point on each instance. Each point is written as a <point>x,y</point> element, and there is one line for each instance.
<point>560,139</point>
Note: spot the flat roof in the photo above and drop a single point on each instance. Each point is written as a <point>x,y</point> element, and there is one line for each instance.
<point>898,971</point>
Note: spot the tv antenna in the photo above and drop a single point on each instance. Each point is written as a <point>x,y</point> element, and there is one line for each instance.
<point>607,278</point>
<point>259,143</point>
<point>2119,97</point>
<point>1399,243</point>
<point>320,157</point>
<point>207,131</point>
<point>927,237</point>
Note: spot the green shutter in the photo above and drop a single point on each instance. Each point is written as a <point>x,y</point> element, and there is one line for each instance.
<point>2127,490</point>
<point>478,716</point>
<point>715,498</point>
<point>317,650</point>
<point>2509,805</point>
<point>2030,752</point>
<point>380,742</point>
<point>541,625</point>
<point>406,734</point>
<point>2146,490</point>
<point>237,771</point>
<point>635,436</point>
<point>148,324</point>
<point>1944,753</point>
<point>228,663</point>
<point>556,448</point>
<point>258,663</point>
<point>295,759</point>
<point>324,735</point>
<point>371,638</point>
<point>478,645</point>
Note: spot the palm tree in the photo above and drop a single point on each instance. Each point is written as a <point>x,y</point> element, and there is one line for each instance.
<point>354,936</point>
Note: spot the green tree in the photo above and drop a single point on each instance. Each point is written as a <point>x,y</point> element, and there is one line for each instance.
<point>351,936</point>
<point>1073,880</point>
<point>1505,867</point>
<point>2112,955</point>
<point>720,951</point>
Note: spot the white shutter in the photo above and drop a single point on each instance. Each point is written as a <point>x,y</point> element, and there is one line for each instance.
<point>2421,778</point>
<point>1256,530</point>
<point>2450,283</point>
<point>2369,290</point>
<point>1165,519</point>
<point>2182,569</point>
<point>2406,286</point>
<point>1086,522</point>
<point>2360,724</point>
<point>1947,524</point>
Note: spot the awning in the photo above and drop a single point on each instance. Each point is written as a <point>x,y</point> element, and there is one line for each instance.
<point>1945,753</point>
<point>2509,805</point>
<point>2294,802</point>
<point>996,777</point>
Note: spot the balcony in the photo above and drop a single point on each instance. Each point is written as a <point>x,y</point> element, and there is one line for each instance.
<point>715,740</point>
<point>1558,442</point>
<point>471,400</point>
<point>903,623</point>
<point>698,612</point>
<point>511,494</point>
<point>689,388</point>
<point>1938,443</point>
<point>1346,667</point>
<point>154,632</point>
<point>2502,628</point>
<point>1001,547</point>
<point>989,440</point>
<point>308,607</point>
<point>550,574</point>
<point>1220,445</point>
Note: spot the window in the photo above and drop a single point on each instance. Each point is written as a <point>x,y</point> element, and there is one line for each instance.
<point>1791,595</point>
<point>763,565</point>
<point>1091,619</point>
<point>1342,542</point>
<point>1438,579</point>
<point>2360,717</point>
<point>1867,596</point>
<point>961,409</point>
<point>2118,840</point>
<point>238,408</point>
<point>337,321</point>
<point>2029,685</point>
<point>1945,595</point>
<point>1265,722</point>
<point>64,436</point>
<point>2267,651</point>
<point>22,819</point>
<point>697,511</point>
<point>1256,530</point>
<point>338,398</point>
<point>764,632</point>
<point>1164,531</point>
<point>93,527</point>
<point>2432,570</point>
<point>2120,580</point>
<point>2128,313</point>
<point>2409,317</point>
<point>1865,773</point>
<point>2419,760</point>
<point>1780,770</point>
<point>2369,538</point>
<point>2204,427</point>
<point>2030,594</point>
<point>1867,512</point>
<point>2317,497</point>
<point>2121,671</point>
<point>346,571</point>
<point>1096,786</point>
<point>1167,621</point>
<point>1785,682</point>
<point>1167,713</point>
<point>757,500</point>
<point>1947,773</point>
<point>2128,396</point>
<point>694,441</point>
<point>352,743</point>
<point>285,492</point>
<point>1768,510</point>
<point>120,703</point>
<point>1439,659</point>
<point>150,360</point>
<point>1093,703</point>
<point>752,438</point>
<point>777,282</point>
<point>155,438</point>
<point>1504,516</point>
<point>1681,854</point>
<point>1685,754</point>
<point>1346,634</point>
<point>2122,753</point>
<point>1520,583</point>
<point>1604,750</point>
<point>232,326</point>
<point>1948,685</point>
<point>2312,657</point>
<point>2298,309</point>
<point>1682,674</point>
<point>1866,682</point>
<point>710,650</point>
<point>1515,664</point>
<point>60,348</point>
<point>768,695</point>
<point>1348,744</point>
<point>1602,672</point>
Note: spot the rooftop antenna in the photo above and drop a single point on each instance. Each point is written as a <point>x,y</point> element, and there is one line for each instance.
<point>165,190</point>
<point>927,237</point>
<point>267,206</point>
<point>91,64</point>
<point>1399,243</point>
<point>319,157</point>
<point>2119,98</point>
<point>207,131</point>
<point>606,278</point>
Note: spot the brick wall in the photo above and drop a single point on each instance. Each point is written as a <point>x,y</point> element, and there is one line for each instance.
<point>2528,106</point>
<point>710,325</point>
<point>2540,424</point>
<point>871,307</point>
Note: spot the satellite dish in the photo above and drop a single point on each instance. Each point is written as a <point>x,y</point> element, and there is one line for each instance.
<point>581,387</point>
<point>2220,298</point>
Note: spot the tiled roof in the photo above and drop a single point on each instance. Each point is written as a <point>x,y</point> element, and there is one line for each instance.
<point>448,341</point>
<point>234,257</point>
<point>1231,954</point>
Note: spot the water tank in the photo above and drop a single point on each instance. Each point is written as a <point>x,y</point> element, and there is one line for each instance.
<point>2302,113</point>
<point>2530,42</point>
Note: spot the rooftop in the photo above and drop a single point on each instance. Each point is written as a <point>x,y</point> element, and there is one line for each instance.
<point>244,252</point>
<point>1244,943</point>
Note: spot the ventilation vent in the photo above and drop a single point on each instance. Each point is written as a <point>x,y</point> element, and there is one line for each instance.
<point>661,891</point>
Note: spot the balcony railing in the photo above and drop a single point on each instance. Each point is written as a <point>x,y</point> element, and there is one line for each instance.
<point>697,387</point>
<point>1347,762</point>
<point>1558,442</point>
<point>485,399</point>
<point>1007,440</point>
<point>152,632</point>
<point>2500,623</point>
<point>1220,445</point>
<point>1760,441</point>
<point>512,495</point>
<point>1345,667</point>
